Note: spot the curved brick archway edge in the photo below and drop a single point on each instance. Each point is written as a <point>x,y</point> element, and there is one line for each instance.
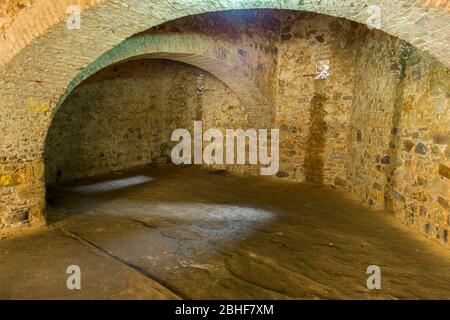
<point>200,51</point>
<point>416,21</point>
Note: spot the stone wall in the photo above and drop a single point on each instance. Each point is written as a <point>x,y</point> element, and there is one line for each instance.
<point>22,195</point>
<point>422,179</point>
<point>376,87</point>
<point>221,109</point>
<point>313,115</point>
<point>282,50</point>
<point>124,116</point>
<point>119,118</point>
<point>400,134</point>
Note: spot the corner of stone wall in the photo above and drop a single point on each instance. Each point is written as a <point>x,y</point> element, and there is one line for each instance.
<point>22,196</point>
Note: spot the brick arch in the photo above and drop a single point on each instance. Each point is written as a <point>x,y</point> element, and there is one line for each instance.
<point>424,18</point>
<point>200,51</point>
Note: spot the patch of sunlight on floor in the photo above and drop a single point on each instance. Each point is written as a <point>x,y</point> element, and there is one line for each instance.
<point>185,211</point>
<point>110,185</point>
<point>220,219</point>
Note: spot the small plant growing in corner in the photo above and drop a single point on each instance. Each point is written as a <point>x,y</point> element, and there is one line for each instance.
<point>163,156</point>
<point>164,150</point>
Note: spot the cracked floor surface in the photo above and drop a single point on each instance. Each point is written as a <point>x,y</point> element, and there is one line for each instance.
<point>194,234</point>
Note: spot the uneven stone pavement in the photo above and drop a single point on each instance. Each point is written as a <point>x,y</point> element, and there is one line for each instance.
<point>197,234</point>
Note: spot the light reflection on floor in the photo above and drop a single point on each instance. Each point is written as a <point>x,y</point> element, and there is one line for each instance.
<point>111,185</point>
<point>224,222</point>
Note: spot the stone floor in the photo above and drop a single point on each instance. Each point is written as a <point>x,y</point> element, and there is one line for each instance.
<point>187,233</point>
